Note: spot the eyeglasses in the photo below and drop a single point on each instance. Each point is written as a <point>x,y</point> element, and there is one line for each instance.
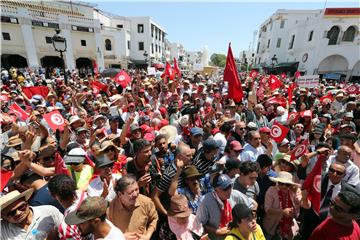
<point>21,208</point>
<point>336,171</point>
<point>336,207</point>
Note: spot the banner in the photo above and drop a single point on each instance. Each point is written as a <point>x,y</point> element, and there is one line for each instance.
<point>151,71</point>
<point>308,81</point>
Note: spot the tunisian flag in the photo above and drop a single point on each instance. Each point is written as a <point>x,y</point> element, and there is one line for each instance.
<point>253,74</point>
<point>235,91</point>
<point>312,184</point>
<point>177,69</point>
<point>300,150</point>
<point>60,167</point>
<point>169,72</point>
<point>290,92</point>
<point>274,82</point>
<point>96,69</point>
<point>39,90</point>
<point>278,132</point>
<point>19,111</point>
<point>327,99</point>
<point>55,120</point>
<point>122,78</point>
<point>101,86</point>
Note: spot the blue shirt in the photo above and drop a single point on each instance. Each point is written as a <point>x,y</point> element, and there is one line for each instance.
<point>194,201</point>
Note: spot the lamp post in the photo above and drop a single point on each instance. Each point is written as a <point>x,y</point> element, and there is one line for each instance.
<point>273,62</point>
<point>146,57</point>
<point>59,43</point>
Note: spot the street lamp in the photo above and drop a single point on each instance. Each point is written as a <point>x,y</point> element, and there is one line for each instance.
<point>59,43</point>
<point>146,57</point>
<point>273,61</point>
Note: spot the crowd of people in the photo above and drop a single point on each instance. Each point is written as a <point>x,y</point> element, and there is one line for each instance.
<point>177,158</point>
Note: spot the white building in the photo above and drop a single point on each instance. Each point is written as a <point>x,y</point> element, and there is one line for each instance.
<point>311,41</point>
<point>91,35</point>
<point>27,29</point>
<point>177,51</point>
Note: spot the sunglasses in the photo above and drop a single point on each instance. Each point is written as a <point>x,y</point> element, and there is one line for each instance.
<point>336,171</point>
<point>21,208</point>
<point>336,207</point>
<point>109,149</point>
<point>285,184</point>
<point>242,129</point>
<point>75,164</point>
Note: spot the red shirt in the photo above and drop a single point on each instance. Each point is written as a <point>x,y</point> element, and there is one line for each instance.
<point>330,230</point>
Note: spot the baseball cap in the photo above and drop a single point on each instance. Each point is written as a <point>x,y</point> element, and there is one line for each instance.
<point>90,208</point>
<point>196,131</point>
<point>236,145</point>
<point>223,181</point>
<point>210,144</point>
<point>76,155</point>
<point>134,127</point>
<point>265,130</point>
<point>242,211</point>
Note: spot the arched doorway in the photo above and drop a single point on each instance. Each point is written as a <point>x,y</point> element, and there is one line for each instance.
<point>85,66</point>
<point>333,64</point>
<point>51,62</point>
<point>13,60</point>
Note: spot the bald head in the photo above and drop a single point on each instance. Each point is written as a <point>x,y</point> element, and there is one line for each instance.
<point>343,154</point>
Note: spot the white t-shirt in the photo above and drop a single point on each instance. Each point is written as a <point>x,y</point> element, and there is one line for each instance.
<point>114,234</point>
<point>96,187</point>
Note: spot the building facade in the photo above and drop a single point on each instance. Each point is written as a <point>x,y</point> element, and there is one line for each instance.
<point>311,41</point>
<point>91,35</point>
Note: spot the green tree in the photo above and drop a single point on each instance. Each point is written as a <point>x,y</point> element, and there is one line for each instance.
<point>218,60</point>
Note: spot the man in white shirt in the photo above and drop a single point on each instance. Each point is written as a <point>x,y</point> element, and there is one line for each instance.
<point>343,156</point>
<point>103,184</point>
<point>252,149</point>
<point>90,218</point>
<point>19,221</point>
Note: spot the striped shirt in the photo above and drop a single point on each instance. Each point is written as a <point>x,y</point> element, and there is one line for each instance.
<point>71,231</point>
<point>199,161</point>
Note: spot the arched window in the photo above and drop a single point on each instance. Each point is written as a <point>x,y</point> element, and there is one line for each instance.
<point>349,34</point>
<point>333,35</point>
<point>108,45</point>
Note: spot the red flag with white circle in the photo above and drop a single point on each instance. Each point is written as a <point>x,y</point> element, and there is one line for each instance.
<point>20,113</point>
<point>278,132</point>
<point>253,74</point>
<point>352,89</point>
<point>274,82</point>
<point>122,78</point>
<point>4,98</point>
<point>299,150</point>
<point>55,120</point>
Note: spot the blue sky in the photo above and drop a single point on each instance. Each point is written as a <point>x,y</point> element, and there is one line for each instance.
<point>211,23</point>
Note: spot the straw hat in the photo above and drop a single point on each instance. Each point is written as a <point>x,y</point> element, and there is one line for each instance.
<point>13,196</point>
<point>284,177</point>
<point>106,144</point>
<point>170,133</point>
<point>179,207</point>
<point>14,141</point>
